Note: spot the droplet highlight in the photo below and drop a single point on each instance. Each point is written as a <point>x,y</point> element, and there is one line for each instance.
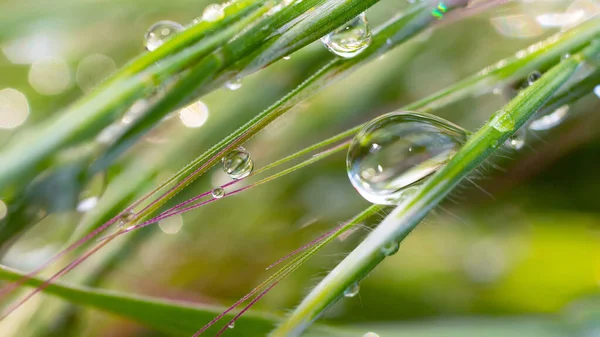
<point>213,12</point>
<point>234,84</point>
<point>370,334</point>
<point>231,325</point>
<point>533,76</point>
<point>350,39</point>
<point>238,163</point>
<point>218,193</point>
<point>91,193</point>
<point>125,218</point>
<point>160,32</point>
<point>517,140</point>
<point>352,290</point>
<point>393,153</point>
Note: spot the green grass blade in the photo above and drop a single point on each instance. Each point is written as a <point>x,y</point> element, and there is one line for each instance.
<point>398,224</point>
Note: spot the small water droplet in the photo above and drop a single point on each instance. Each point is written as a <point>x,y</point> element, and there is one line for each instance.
<point>218,193</point>
<point>238,164</point>
<point>597,91</point>
<point>125,218</point>
<point>91,193</point>
<point>397,150</point>
<point>160,32</point>
<point>350,39</point>
<point>370,334</point>
<point>565,57</point>
<point>213,12</point>
<point>517,140</point>
<point>390,248</point>
<point>288,57</point>
<point>533,76</point>
<point>352,290</point>
<point>3,210</point>
<point>548,121</point>
<point>234,84</point>
<point>231,325</point>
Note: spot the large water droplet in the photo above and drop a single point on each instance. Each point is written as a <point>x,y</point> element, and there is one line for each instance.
<point>218,193</point>
<point>160,32</point>
<point>352,290</point>
<point>397,150</point>
<point>350,39</point>
<point>550,120</point>
<point>238,164</point>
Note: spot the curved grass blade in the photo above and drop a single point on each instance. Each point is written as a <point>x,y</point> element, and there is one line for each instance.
<point>399,223</point>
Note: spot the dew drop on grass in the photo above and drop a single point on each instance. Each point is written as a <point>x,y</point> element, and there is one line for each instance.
<point>238,164</point>
<point>231,325</point>
<point>533,76</point>
<point>517,140</point>
<point>390,248</point>
<point>218,193</point>
<point>350,39</point>
<point>234,84</point>
<point>160,32</point>
<point>213,12</point>
<point>352,290</point>
<point>91,193</point>
<point>392,154</point>
<point>550,120</point>
<point>125,218</point>
<point>370,334</point>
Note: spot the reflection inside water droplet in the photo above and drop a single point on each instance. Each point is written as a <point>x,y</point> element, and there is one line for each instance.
<point>238,164</point>
<point>350,39</point>
<point>218,193</point>
<point>392,153</point>
<point>160,32</point>
<point>352,290</point>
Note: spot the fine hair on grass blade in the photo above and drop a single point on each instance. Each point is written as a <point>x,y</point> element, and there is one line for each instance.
<point>409,213</point>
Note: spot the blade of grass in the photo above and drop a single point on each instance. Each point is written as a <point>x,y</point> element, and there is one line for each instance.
<point>399,223</point>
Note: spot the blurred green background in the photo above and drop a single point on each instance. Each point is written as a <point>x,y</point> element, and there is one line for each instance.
<point>529,253</point>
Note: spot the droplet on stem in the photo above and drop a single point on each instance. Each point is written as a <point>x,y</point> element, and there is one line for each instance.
<point>350,39</point>
<point>517,140</point>
<point>218,193</point>
<point>352,290</point>
<point>160,32</point>
<point>390,248</point>
<point>234,84</point>
<point>125,218</point>
<point>238,164</point>
<point>213,12</point>
<point>393,153</point>
<point>533,76</point>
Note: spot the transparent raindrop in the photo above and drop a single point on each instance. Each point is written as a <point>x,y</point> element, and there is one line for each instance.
<point>352,290</point>
<point>393,153</point>
<point>350,39</point>
<point>234,84</point>
<point>548,121</point>
<point>218,193</point>
<point>238,163</point>
<point>160,32</point>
